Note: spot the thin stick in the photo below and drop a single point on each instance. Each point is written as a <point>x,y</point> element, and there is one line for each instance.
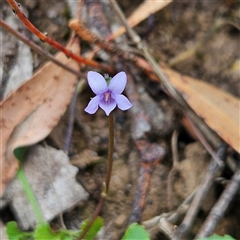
<point>37,49</point>
<point>172,217</point>
<point>71,116</point>
<point>205,143</point>
<point>168,229</point>
<point>44,38</point>
<point>173,170</point>
<point>220,207</point>
<point>207,182</point>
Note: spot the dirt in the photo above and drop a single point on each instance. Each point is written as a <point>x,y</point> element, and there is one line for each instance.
<point>178,28</point>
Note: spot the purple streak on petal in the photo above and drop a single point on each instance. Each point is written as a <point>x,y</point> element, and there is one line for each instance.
<point>107,107</point>
<point>118,83</point>
<point>92,106</point>
<point>97,82</point>
<point>122,102</point>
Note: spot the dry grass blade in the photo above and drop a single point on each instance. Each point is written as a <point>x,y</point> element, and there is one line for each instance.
<point>30,113</point>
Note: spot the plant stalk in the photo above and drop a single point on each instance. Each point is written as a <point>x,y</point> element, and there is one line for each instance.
<point>30,195</point>
<point>110,151</point>
<point>107,178</point>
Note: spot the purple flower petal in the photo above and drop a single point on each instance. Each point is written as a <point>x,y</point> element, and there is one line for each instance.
<point>122,102</point>
<point>92,106</point>
<point>97,82</point>
<point>107,107</point>
<point>118,83</point>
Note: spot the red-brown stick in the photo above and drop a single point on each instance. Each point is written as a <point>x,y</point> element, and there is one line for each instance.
<point>55,44</point>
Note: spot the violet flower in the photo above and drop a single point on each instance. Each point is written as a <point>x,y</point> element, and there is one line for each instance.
<point>108,92</point>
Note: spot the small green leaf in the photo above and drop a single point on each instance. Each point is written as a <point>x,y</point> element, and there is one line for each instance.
<point>43,231</point>
<point>66,234</point>
<point>14,233</point>
<point>217,237</point>
<point>136,232</point>
<point>92,232</point>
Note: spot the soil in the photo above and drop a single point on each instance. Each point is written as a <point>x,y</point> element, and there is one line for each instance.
<point>212,56</point>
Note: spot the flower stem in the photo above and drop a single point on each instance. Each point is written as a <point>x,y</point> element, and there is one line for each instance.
<point>110,150</point>
<point>107,178</point>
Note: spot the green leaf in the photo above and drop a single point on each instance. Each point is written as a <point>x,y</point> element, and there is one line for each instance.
<point>92,232</point>
<point>217,237</point>
<point>136,232</point>
<point>65,237</point>
<point>14,233</point>
<point>43,231</point>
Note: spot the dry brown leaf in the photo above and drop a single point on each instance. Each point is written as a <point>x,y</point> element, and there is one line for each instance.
<point>219,109</point>
<point>29,114</point>
<point>143,11</point>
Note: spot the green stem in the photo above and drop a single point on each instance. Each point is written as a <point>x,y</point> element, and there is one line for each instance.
<point>107,179</point>
<point>30,195</point>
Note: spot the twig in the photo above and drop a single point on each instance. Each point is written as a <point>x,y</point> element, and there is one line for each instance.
<point>82,31</point>
<point>182,209</point>
<point>71,116</point>
<point>173,170</point>
<point>44,38</point>
<point>171,218</point>
<point>207,182</point>
<point>168,229</point>
<point>150,153</point>
<point>232,164</point>
<point>174,141</point>
<point>220,207</point>
<point>37,49</point>
<point>205,143</point>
